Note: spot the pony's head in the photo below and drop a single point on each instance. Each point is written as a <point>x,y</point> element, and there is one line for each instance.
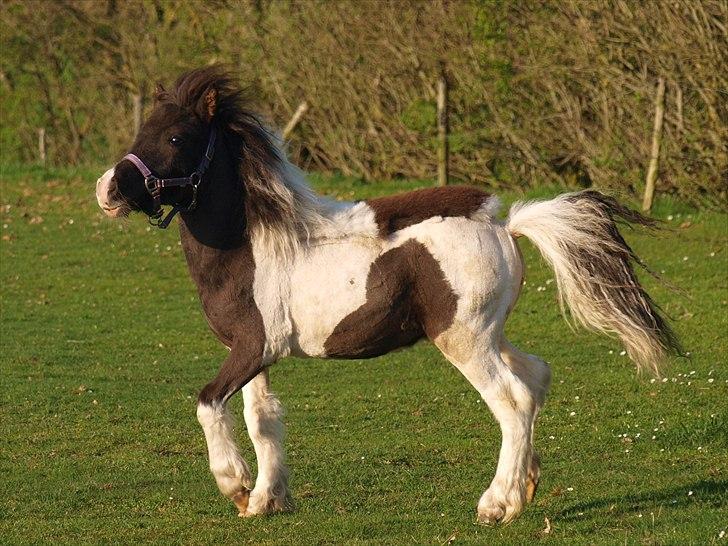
<point>171,144</point>
<point>249,181</point>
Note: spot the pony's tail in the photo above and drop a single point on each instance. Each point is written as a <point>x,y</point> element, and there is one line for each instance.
<point>577,235</point>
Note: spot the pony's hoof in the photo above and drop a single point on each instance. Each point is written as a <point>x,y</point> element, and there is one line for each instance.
<point>496,506</point>
<point>262,505</point>
<point>241,500</point>
<point>491,516</point>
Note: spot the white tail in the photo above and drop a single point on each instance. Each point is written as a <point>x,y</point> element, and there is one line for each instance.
<point>577,235</point>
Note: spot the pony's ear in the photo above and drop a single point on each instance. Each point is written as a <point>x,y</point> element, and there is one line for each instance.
<point>159,92</point>
<point>207,105</point>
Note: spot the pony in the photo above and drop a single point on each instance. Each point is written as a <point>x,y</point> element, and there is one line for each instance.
<point>282,271</point>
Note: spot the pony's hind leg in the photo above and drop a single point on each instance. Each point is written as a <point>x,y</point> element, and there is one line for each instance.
<point>228,467</point>
<point>514,406</point>
<point>536,375</point>
<point>263,418</point>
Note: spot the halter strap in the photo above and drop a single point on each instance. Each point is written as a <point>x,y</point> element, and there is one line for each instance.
<point>154,185</point>
<point>139,164</point>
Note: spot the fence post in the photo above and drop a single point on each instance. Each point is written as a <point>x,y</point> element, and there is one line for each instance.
<point>442,129</point>
<point>137,101</point>
<point>655,150</point>
<point>679,101</point>
<point>42,145</point>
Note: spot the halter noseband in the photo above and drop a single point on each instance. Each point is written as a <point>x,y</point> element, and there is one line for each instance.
<point>154,185</point>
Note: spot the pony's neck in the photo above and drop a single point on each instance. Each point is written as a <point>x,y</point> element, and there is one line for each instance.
<point>218,221</point>
<point>273,209</point>
<point>213,236</point>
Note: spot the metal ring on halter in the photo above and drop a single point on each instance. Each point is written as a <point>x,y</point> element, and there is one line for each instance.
<point>152,184</point>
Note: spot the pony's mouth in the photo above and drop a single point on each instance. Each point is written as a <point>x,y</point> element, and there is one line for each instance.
<point>118,211</point>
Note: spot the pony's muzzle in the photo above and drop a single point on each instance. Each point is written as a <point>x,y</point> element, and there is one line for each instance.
<point>108,197</point>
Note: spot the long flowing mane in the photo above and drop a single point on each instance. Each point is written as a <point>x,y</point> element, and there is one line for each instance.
<point>280,208</point>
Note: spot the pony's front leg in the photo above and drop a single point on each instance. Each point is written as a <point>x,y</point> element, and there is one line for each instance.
<point>231,473</point>
<point>263,418</point>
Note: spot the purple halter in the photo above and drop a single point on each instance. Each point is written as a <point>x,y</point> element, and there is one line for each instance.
<point>154,185</point>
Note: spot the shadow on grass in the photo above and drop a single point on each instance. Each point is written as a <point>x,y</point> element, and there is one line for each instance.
<point>704,492</point>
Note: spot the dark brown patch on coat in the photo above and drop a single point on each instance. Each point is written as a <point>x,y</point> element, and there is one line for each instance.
<point>407,296</point>
<point>221,264</point>
<point>396,212</point>
<point>224,280</point>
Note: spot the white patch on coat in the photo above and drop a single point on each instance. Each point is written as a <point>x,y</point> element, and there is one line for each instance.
<point>330,281</point>
<point>348,221</point>
<point>271,292</point>
<point>299,310</point>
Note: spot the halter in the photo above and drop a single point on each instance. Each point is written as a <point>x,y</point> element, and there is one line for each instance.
<point>154,185</point>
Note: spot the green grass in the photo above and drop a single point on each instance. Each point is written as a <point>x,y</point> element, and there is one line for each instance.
<point>104,349</point>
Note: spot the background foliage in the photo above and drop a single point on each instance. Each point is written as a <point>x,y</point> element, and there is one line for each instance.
<point>539,90</point>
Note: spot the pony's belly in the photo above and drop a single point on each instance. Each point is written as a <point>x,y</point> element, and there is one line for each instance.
<point>376,328</point>
<point>328,284</point>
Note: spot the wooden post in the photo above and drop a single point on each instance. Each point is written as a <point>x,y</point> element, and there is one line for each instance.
<point>655,151</point>
<point>297,115</point>
<point>442,129</point>
<point>679,101</point>
<point>42,145</point>
<point>137,101</point>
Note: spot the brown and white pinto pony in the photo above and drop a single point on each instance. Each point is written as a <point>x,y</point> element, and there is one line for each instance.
<point>281,271</point>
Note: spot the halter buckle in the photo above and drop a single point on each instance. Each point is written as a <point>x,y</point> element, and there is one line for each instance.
<point>151,182</point>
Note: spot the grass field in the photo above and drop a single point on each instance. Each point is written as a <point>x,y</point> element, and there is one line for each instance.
<point>104,349</point>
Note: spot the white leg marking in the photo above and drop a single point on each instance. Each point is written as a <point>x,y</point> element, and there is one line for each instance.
<point>230,470</point>
<point>536,374</point>
<point>513,405</point>
<point>263,418</point>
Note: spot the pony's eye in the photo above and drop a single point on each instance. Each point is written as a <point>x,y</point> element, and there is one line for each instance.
<point>175,141</point>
